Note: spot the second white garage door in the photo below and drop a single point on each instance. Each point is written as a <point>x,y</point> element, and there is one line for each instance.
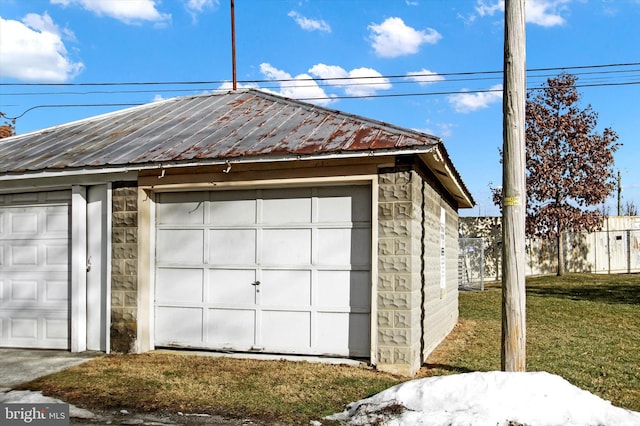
<point>34,270</point>
<point>277,270</point>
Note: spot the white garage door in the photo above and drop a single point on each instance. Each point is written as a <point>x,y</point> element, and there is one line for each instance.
<point>34,270</point>
<point>277,270</point>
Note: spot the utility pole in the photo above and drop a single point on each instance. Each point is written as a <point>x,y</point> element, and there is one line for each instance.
<point>513,349</point>
<point>619,194</point>
<point>233,46</point>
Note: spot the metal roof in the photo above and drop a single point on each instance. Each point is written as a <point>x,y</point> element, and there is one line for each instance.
<point>244,124</point>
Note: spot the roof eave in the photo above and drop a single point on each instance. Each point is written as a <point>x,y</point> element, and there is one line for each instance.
<point>440,164</point>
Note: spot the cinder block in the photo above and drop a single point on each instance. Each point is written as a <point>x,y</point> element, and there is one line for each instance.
<point>131,204</point>
<point>117,299</point>
<point>385,211</point>
<point>394,301</point>
<point>386,246</point>
<point>393,337</point>
<point>385,355</point>
<point>125,251</point>
<point>403,282</point>
<point>385,282</point>
<point>124,282</point>
<point>131,299</point>
<point>124,220</point>
<point>385,319</point>
<point>402,319</point>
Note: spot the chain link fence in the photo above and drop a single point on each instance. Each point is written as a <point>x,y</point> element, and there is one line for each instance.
<point>471,264</point>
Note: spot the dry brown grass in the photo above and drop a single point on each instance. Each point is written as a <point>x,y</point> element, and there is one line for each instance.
<point>585,328</point>
<point>269,391</point>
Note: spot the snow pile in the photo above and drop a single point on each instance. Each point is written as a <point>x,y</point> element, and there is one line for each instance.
<point>493,398</point>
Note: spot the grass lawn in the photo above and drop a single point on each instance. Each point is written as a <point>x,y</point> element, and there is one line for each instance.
<point>585,328</point>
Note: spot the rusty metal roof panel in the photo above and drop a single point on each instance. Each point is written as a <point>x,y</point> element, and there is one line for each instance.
<point>244,123</point>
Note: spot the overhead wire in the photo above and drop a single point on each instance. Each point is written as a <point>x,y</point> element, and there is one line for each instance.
<point>600,75</point>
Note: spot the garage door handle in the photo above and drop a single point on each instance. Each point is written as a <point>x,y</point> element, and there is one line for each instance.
<point>255,283</point>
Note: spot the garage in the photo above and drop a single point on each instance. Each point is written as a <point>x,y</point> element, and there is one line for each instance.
<point>281,270</point>
<point>34,270</point>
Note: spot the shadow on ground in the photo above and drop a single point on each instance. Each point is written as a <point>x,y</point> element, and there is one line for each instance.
<point>603,293</point>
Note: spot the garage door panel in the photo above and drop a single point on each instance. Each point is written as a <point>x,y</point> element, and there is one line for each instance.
<point>287,288</point>
<point>56,292</point>
<point>22,291</point>
<point>179,286</point>
<point>181,325</point>
<point>56,255</point>
<point>56,222</point>
<point>180,208</point>
<point>180,246</point>
<point>56,329</point>
<point>232,287</point>
<point>227,328</point>
<point>344,204</point>
<point>230,212</point>
<point>232,247</point>
<point>344,334</point>
<point>23,328</point>
<point>39,329</point>
<point>286,247</point>
<point>344,289</point>
<point>281,207</point>
<point>285,330</point>
<point>23,222</point>
<point>24,254</point>
<point>334,247</point>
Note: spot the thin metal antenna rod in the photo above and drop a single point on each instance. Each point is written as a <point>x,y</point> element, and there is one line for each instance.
<point>233,46</point>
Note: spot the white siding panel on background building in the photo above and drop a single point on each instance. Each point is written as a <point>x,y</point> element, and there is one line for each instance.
<point>273,270</point>
<point>34,270</point>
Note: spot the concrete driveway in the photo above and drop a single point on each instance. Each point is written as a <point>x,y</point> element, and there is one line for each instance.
<point>23,365</point>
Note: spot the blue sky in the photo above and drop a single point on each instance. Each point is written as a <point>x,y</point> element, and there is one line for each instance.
<point>442,56</point>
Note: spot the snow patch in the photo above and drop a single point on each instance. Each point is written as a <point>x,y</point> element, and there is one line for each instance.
<point>491,398</point>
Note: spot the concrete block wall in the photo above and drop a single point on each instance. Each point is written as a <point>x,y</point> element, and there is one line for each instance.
<point>399,272</point>
<point>440,304</point>
<point>124,265</point>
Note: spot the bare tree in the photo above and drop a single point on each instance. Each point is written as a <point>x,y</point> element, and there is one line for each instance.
<point>569,164</point>
<point>630,209</point>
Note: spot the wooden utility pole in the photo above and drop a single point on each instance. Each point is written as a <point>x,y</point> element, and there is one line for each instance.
<point>619,194</point>
<point>513,353</point>
<point>233,46</point>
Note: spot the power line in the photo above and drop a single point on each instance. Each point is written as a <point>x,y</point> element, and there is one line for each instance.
<point>396,76</point>
<point>342,82</point>
<point>336,97</point>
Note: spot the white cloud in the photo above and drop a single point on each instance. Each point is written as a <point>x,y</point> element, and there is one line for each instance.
<point>357,82</point>
<point>299,87</point>
<point>228,86</point>
<point>33,50</point>
<point>195,7</point>
<point>201,5</point>
<point>424,77</point>
<point>394,38</point>
<point>545,13</point>
<point>469,102</point>
<point>129,11</point>
<point>309,24</point>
